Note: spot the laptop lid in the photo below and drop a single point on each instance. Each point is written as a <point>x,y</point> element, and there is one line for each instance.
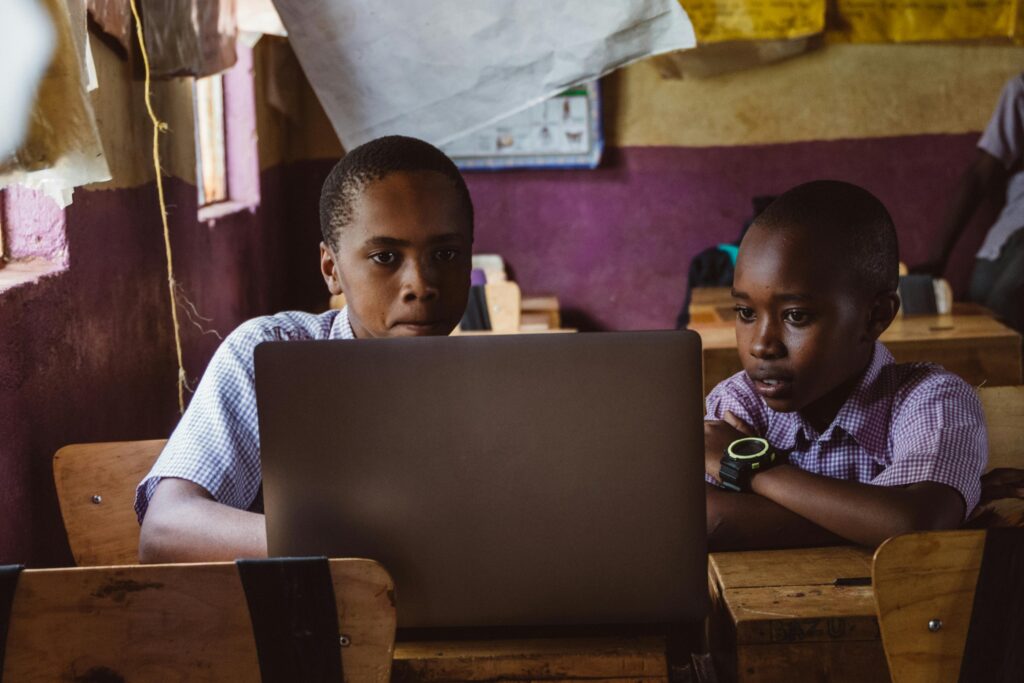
<point>502,480</point>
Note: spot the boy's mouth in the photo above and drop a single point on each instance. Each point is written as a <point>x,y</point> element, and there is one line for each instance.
<point>772,387</point>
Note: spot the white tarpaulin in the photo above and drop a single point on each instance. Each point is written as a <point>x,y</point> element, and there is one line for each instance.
<point>443,68</point>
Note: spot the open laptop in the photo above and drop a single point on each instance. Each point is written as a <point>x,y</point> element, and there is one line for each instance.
<point>502,480</point>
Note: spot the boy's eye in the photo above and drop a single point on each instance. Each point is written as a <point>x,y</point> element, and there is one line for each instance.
<point>446,255</point>
<point>797,316</point>
<point>385,258</point>
<point>744,313</point>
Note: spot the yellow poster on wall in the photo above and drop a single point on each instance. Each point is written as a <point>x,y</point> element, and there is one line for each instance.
<point>898,21</point>
<point>716,21</point>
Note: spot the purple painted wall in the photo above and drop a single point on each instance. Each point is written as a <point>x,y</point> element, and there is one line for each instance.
<point>87,354</point>
<point>614,244</point>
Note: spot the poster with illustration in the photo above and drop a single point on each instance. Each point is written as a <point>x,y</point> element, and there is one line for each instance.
<point>561,132</point>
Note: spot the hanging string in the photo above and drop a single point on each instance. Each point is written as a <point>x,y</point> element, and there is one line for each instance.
<point>160,127</point>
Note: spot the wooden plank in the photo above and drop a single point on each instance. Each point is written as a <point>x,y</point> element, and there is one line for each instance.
<point>96,490</point>
<point>1004,417</point>
<point>797,567</point>
<point>604,659</point>
<point>918,578</point>
<point>836,662</point>
<point>542,309</point>
<point>175,623</point>
<point>776,616</point>
<point>789,614</point>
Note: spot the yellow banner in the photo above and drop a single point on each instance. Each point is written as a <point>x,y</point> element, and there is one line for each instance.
<point>898,21</point>
<point>716,21</point>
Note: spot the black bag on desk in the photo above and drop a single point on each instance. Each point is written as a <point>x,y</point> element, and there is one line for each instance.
<point>476,316</point>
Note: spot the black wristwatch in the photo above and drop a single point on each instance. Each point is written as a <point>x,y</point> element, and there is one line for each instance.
<point>743,458</point>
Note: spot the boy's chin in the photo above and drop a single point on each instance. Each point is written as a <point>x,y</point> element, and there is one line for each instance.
<point>783,404</point>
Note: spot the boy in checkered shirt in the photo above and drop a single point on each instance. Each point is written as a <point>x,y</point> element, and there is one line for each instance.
<point>864,448</point>
<point>397,224</point>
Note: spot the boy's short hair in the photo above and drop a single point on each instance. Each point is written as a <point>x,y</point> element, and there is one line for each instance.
<point>374,161</point>
<point>851,220</point>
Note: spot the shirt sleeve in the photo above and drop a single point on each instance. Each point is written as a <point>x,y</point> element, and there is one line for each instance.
<point>938,434</point>
<point>1004,136</point>
<point>733,395</point>
<point>216,442</point>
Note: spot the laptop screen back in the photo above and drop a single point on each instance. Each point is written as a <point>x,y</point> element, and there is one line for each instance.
<point>502,480</point>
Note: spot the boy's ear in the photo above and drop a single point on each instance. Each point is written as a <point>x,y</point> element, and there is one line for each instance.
<point>884,308</point>
<point>329,269</point>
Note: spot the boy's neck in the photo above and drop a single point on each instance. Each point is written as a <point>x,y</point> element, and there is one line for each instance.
<point>821,413</point>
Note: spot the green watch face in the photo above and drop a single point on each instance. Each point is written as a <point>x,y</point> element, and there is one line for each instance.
<point>748,448</point>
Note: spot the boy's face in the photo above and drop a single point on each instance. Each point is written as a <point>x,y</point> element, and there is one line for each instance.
<point>803,330</point>
<point>404,260</point>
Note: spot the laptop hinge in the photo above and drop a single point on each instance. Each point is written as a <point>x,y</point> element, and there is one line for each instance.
<point>8,584</point>
<point>294,618</point>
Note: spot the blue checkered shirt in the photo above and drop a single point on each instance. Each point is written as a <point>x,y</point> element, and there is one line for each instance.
<point>903,423</point>
<point>217,442</point>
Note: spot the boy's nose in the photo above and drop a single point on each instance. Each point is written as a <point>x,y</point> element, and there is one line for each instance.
<point>766,343</point>
<point>418,283</point>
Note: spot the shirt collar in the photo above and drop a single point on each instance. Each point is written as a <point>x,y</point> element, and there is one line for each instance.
<point>341,328</point>
<point>866,406</point>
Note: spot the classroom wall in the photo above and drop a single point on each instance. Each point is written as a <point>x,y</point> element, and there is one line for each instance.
<point>87,354</point>
<point>685,157</point>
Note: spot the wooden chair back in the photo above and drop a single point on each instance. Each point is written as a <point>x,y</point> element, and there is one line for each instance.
<point>1004,417</point>
<point>184,622</point>
<point>918,579</point>
<point>96,490</point>
<point>504,306</point>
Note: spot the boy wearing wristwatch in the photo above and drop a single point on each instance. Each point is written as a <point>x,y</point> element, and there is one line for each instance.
<point>822,438</point>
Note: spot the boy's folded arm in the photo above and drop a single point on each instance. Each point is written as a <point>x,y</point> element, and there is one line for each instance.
<point>863,513</point>
<point>185,524</point>
<point>743,521</point>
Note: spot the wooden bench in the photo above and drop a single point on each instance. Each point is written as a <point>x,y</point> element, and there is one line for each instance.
<point>187,622</point>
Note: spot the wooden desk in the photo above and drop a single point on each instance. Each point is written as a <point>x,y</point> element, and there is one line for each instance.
<point>776,615</point>
<point>607,659</point>
<point>977,347</point>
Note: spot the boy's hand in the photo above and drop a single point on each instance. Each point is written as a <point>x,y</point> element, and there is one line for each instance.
<point>718,434</point>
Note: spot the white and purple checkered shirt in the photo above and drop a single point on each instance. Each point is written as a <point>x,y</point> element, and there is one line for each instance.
<point>904,423</point>
<point>217,443</point>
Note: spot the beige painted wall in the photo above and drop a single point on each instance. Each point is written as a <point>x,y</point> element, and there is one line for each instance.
<point>842,91</point>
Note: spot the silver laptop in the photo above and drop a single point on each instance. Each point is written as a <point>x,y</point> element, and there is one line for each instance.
<point>502,480</point>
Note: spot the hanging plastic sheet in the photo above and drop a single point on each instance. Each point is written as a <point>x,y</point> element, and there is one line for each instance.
<point>441,69</point>
<point>717,21</point>
<point>63,149</point>
<point>189,37</point>
<point>26,45</point>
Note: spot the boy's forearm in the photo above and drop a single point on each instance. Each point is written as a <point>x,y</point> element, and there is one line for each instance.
<point>745,521</point>
<point>184,525</point>
<point>862,513</point>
